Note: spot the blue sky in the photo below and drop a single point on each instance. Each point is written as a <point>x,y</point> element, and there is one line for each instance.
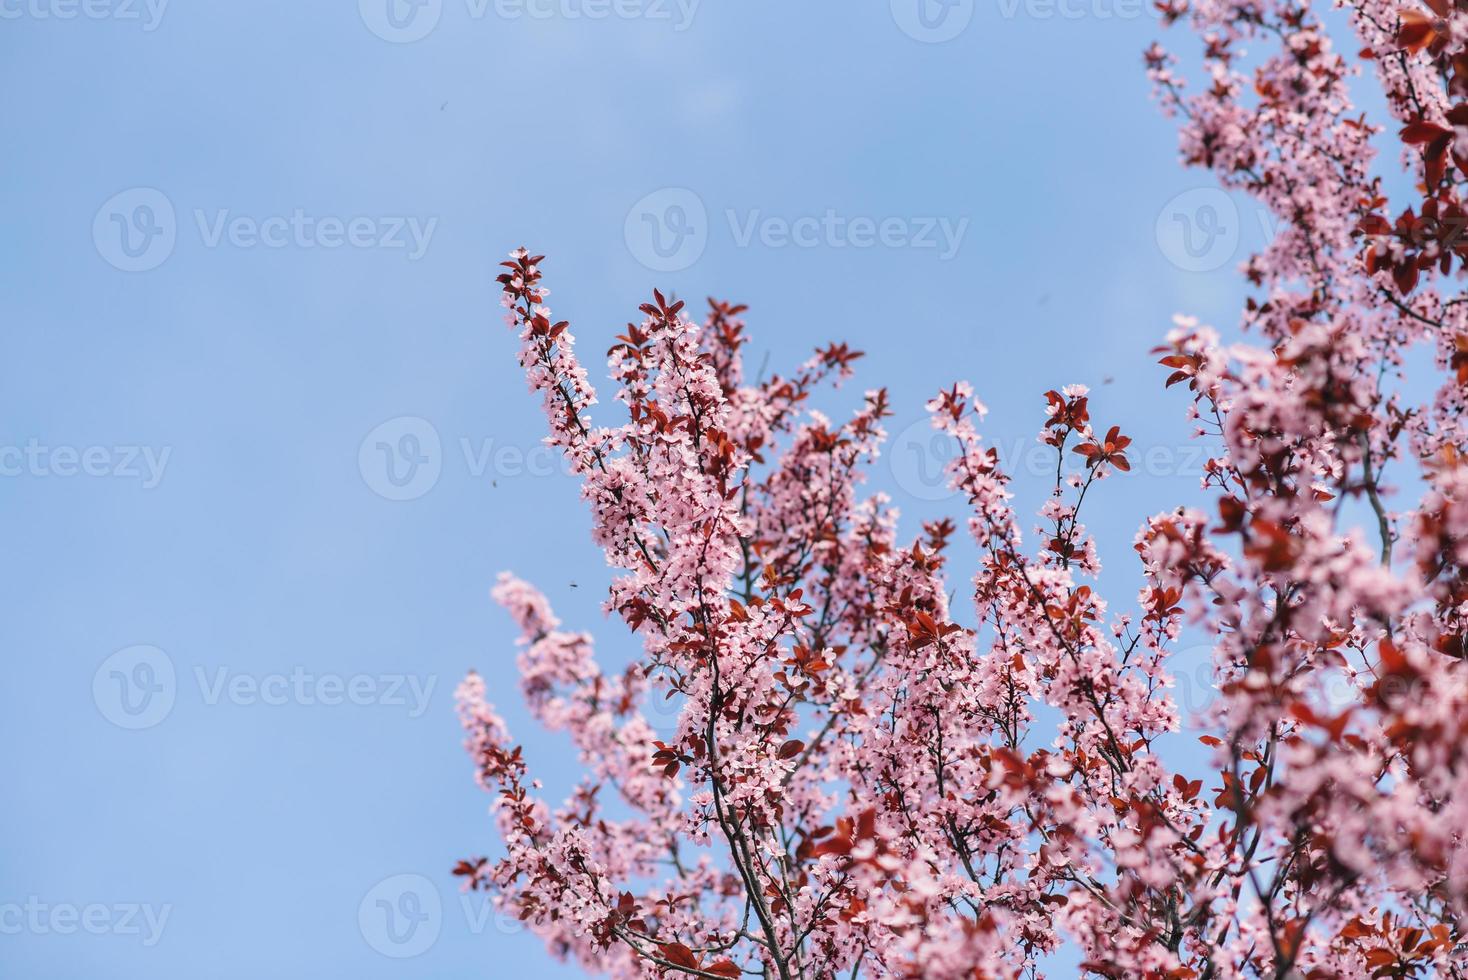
<point>249,264</point>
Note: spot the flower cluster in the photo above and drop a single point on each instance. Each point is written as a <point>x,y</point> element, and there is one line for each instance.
<point>865,782</point>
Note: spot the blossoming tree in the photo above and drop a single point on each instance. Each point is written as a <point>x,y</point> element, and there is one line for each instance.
<point>858,785</point>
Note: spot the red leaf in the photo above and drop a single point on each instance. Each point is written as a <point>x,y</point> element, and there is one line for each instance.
<point>1416,30</point>
<point>1421,131</point>
<point>679,955</point>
